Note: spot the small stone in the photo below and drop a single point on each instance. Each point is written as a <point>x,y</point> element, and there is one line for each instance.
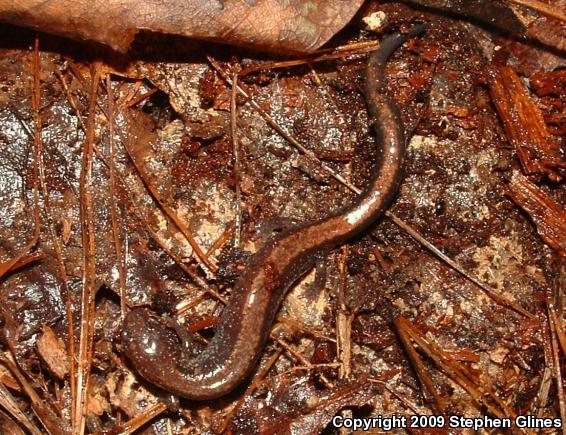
<point>375,21</point>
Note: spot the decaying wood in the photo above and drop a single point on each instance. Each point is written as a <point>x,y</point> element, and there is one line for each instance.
<point>10,404</point>
<point>547,214</point>
<point>52,350</point>
<point>42,409</point>
<point>551,86</point>
<point>272,25</point>
<point>524,124</point>
<point>553,82</point>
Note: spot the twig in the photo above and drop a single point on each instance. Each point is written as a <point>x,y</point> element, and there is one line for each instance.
<point>320,56</point>
<point>558,327</point>
<point>220,241</point>
<point>141,97</point>
<point>557,367</point>
<point>9,403</point>
<point>543,391</point>
<point>344,330</point>
<point>130,95</point>
<point>343,321</point>
<point>184,306</point>
<point>401,398</point>
<point>41,408</point>
<point>89,263</point>
<point>307,329</point>
<point>236,171</point>
<point>71,99</point>
<point>297,355</point>
<point>429,392</point>
<point>22,262</point>
<point>118,248</point>
<point>138,421</point>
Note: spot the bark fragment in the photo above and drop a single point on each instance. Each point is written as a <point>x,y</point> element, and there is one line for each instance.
<point>53,351</point>
<point>524,124</point>
<point>547,214</point>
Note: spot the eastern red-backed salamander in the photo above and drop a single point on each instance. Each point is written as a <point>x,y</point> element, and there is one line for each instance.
<point>155,349</point>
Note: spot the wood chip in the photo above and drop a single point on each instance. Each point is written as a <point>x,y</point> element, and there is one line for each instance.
<point>524,124</point>
<point>52,350</point>
<point>547,214</point>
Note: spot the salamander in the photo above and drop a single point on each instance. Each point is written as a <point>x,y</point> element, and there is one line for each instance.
<point>156,351</point>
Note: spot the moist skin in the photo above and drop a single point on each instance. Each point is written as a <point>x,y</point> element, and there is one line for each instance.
<point>156,351</point>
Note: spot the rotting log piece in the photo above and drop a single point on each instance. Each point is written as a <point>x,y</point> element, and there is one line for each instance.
<point>547,214</point>
<point>538,151</point>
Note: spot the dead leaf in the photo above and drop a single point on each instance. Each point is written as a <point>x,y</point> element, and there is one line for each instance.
<point>271,25</point>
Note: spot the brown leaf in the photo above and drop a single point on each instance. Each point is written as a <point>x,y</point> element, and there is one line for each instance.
<point>271,25</point>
